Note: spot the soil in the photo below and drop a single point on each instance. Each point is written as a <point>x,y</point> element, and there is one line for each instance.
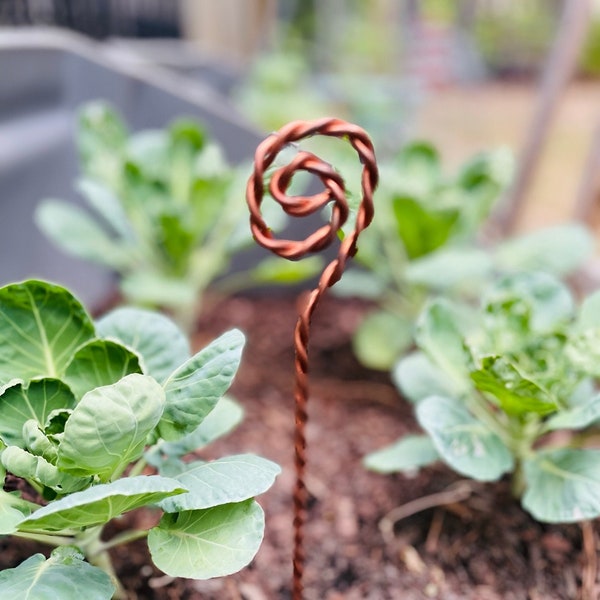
<point>484,547</point>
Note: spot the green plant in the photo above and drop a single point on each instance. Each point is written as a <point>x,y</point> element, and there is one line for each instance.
<point>167,214</point>
<point>426,240</point>
<point>86,410</point>
<point>510,388</point>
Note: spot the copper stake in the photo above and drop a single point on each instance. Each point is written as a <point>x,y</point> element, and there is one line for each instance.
<point>334,192</point>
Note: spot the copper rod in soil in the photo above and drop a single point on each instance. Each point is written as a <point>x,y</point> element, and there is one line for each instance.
<point>334,192</point>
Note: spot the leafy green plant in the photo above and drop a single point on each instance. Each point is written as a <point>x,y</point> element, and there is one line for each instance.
<point>87,411</point>
<point>510,388</point>
<point>167,214</point>
<point>424,241</point>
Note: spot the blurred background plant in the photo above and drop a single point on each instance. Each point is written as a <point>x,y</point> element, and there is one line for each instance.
<point>167,214</point>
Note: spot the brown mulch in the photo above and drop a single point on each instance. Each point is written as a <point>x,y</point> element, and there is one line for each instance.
<point>482,548</point>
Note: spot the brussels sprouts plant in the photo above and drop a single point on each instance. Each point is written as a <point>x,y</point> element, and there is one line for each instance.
<point>166,213</point>
<point>95,421</point>
<point>425,241</point>
<point>509,389</point>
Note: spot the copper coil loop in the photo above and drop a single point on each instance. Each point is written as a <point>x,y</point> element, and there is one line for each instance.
<point>299,206</point>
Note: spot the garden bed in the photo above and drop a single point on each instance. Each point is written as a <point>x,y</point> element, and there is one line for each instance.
<point>484,548</point>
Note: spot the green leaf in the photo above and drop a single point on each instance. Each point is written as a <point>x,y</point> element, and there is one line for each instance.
<point>38,443</point>
<point>419,162</point>
<point>175,240</point>
<point>282,271</point>
<point>439,333</point>
<point>417,377</point>
<point>527,302</point>
<point>422,231</point>
<point>589,313</point>
<point>222,481</point>
<point>13,510</point>
<point>101,139</point>
<point>98,363</point>
<point>34,400</point>
<point>517,395</point>
<point>36,468</point>
<point>65,576</point>
<point>557,250</point>
<point>106,204</point>
<point>41,325</point>
<point>207,543</point>
<point>563,486</point>
<point>380,338</point>
<point>109,427</point>
<point>462,441</point>
<point>147,287</point>
<point>226,415</point>
<point>577,417</point>
<point>161,344</point>
<point>458,268</point>
<point>194,389</point>
<point>583,351</point>
<point>73,230</point>
<point>406,455</point>
<point>101,503</point>
<point>359,284</point>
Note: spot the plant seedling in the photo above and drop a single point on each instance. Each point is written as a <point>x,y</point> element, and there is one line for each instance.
<point>509,389</point>
<point>165,214</point>
<point>424,242</point>
<point>87,410</point>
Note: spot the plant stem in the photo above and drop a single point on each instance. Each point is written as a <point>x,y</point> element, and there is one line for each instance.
<point>122,538</point>
<point>137,468</point>
<point>45,538</point>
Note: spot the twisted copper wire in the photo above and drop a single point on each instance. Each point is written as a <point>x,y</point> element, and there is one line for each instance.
<point>334,192</point>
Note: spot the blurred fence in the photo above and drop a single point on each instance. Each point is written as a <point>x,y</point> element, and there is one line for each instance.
<point>97,18</point>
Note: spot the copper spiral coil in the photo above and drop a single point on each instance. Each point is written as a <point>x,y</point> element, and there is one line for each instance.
<point>334,192</point>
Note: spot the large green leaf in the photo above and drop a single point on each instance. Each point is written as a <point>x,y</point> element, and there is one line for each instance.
<point>463,442</point>
<point>222,481</point>
<point>563,486</point>
<point>517,395</point>
<point>109,427</point>
<point>72,229</point>
<point>41,325</point>
<point>406,455</point>
<point>33,400</point>
<point>439,333</point>
<point>65,576</point>
<point>207,543</point>
<point>98,363</point>
<point>36,468</point>
<point>13,510</point>
<point>161,344</point>
<point>101,503</point>
<point>417,377</point>
<point>381,338</point>
<point>194,389</point>
<point>558,250</point>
